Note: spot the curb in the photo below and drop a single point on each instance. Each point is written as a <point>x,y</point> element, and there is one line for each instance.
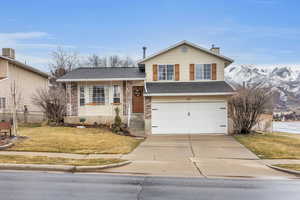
<point>285,170</point>
<point>62,168</point>
<point>6,146</point>
<point>96,168</point>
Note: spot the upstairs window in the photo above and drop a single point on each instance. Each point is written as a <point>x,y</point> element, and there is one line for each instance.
<point>116,93</point>
<point>165,72</point>
<point>203,72</point>
<point>96,94</point>
<point>2,102</point>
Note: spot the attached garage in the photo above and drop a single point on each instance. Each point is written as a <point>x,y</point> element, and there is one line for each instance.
<point>207,117</point>
<point>187,107</point>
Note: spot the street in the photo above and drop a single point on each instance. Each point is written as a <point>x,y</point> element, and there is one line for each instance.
<point>42,185</point>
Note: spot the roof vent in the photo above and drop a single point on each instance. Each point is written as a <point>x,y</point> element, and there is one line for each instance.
<point>214,49</point>
<point>8,52</point>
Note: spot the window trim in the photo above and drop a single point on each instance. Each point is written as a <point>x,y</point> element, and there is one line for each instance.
<point>166,66</point>
<point>80,95</point>
<point>91,97</point>
<point>119,94</point>
<point>203,72</point>
<point>3,102</point>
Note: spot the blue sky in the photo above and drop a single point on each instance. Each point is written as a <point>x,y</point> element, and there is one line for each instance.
<point>249,31</point>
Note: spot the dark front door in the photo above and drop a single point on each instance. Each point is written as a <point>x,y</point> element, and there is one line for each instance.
<point>138,99</point>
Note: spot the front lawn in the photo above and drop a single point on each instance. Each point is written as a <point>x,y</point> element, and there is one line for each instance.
<point>16,159</point>
<point>290,166</point>
<point>272,145</point>
<point>74,140</point>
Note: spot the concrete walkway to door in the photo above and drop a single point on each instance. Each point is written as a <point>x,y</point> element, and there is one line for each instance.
<point>196,156</point>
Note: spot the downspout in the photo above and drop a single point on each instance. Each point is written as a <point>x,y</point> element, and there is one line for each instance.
<point>129,105</point>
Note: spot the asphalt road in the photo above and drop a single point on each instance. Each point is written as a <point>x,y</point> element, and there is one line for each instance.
<point>56,186</point>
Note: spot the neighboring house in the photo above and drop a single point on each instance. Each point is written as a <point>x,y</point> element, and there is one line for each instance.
<point>26,80</point>
<point>179,90</point>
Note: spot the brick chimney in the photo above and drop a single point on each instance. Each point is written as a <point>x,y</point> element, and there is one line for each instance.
<point>214,49</point>
<point>8,52</point>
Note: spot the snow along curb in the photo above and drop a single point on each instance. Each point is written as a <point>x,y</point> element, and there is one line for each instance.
<point>295,172</point>
<point>63,168</point>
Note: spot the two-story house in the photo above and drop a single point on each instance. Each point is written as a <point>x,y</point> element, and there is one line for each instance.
<point>179,90</point>
<point>24,80</point>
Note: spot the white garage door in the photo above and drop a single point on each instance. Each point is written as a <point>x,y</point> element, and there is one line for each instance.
<point>189,118</point>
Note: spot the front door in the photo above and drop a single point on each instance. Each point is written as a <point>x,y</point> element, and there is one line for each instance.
<point>137,99</point>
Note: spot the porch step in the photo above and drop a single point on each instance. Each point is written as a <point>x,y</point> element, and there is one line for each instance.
<point>137,124</point>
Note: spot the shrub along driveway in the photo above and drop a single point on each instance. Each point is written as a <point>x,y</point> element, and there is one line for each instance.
<point>196,156</point>
<point>74,140</point>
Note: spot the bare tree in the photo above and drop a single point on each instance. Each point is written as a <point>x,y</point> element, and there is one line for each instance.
<point>16,96</point>
<point>109,61</point>
<point>246,107</point>
<point>115,61</point>
<point>96,61</point>
<point>63,62</point>
<point>52,102</point>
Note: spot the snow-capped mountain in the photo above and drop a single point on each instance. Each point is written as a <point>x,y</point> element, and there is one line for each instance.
<point>283,80</point>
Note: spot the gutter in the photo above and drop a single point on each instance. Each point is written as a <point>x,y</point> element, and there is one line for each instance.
<point>192,94</point>
<point>102,79</point>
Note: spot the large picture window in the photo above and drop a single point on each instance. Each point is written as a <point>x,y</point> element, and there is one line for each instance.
<point>116,93</point>
<point>203,72</point>
<point>97,94</point>
<point>165,72</point>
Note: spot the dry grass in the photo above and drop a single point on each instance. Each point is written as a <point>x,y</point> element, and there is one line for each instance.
<point>16,159</point>
<point>289,166</point>
<point>74,140</point>
<point>272,145</point>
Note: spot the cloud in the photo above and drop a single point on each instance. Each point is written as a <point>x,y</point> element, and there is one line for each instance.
<point>43,46</point>
<point>22,35</point>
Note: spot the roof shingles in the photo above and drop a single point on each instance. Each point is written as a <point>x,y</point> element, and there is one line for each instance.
<point>98,73</point>
<point>188,87</point>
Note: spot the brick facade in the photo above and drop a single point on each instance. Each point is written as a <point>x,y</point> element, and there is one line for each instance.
<point>147,107</point>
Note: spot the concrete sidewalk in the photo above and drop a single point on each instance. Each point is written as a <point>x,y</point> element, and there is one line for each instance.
<point>281,161</point>
<point>61,155</point>
<point>196,156</point>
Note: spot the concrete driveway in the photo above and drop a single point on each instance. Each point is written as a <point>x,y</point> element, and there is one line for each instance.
<point>196,156</point>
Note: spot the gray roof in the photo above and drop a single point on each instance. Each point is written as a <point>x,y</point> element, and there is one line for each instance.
<point>188,87</point>
<point>26,67</point>
<point>99,73</point>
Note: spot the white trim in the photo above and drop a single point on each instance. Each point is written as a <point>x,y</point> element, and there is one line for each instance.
<point>101,79</point>
<point>190,44</point>
<point>192,94</point>
<point>166,66</point>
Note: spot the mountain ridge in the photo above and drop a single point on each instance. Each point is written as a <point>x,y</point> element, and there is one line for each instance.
<point>283,80</point>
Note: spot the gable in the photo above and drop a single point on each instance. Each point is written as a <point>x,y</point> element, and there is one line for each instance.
<point>190,45</point>
<point>183,53</point>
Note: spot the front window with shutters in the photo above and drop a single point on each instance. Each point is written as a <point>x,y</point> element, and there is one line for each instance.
<point>97,94</point>
<point>2,102</point>
<point>165,72</point>
<point>82,97</point>
<point>203,72</point>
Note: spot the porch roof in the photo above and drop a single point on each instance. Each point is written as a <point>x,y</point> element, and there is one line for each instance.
<point>188,88</point>
<point>103,74</point>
